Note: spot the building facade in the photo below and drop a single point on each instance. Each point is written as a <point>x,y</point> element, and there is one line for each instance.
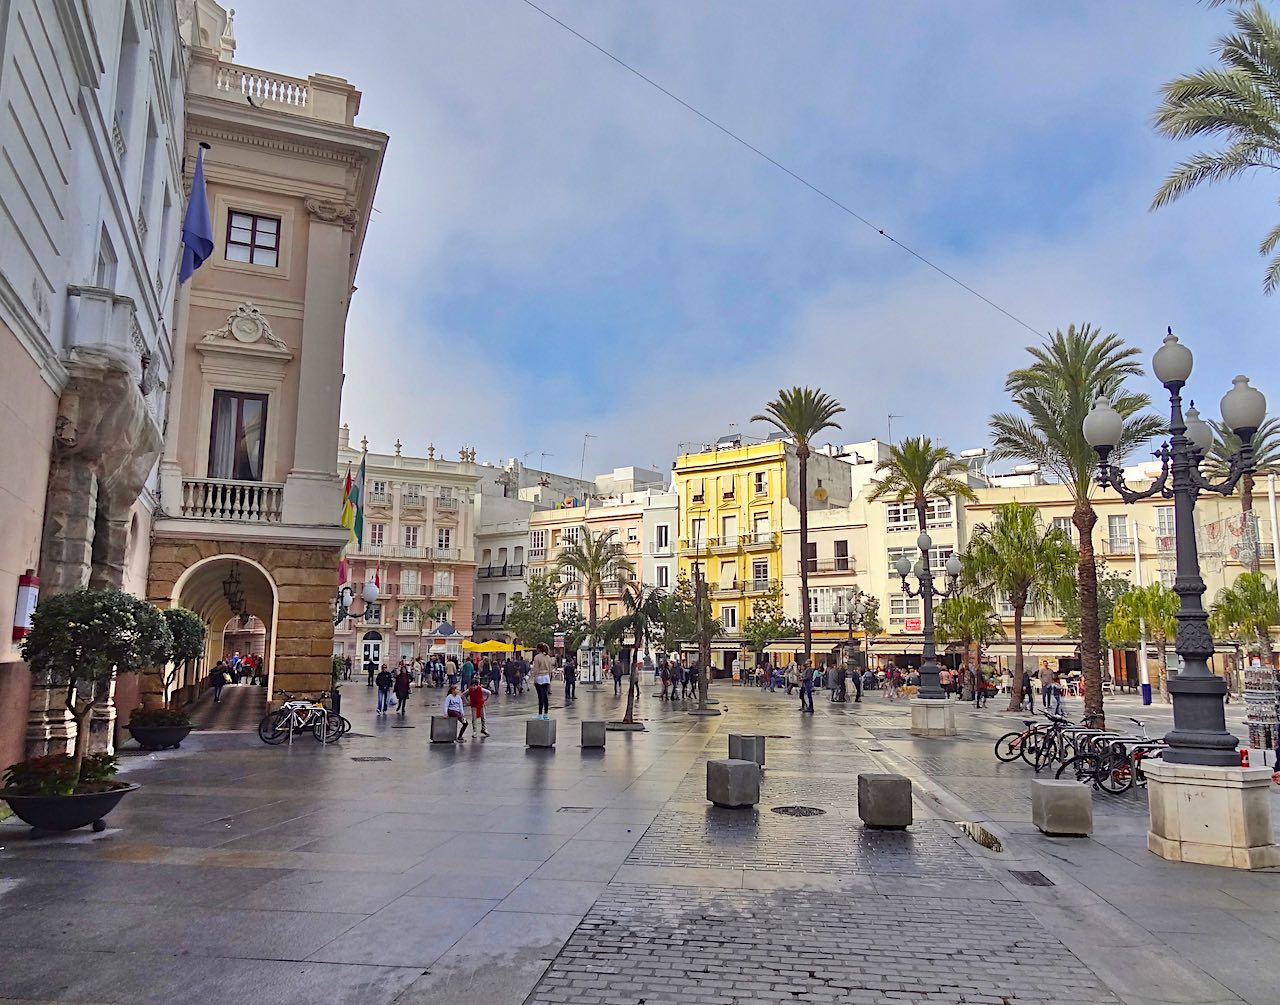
<point>250,502</point>
<point>90,196</point>
<point>419,535</point>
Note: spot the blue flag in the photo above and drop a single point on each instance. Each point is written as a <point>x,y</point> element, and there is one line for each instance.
<point>197,226</point>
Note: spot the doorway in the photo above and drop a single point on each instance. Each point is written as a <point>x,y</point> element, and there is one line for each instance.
<point>371,651</point>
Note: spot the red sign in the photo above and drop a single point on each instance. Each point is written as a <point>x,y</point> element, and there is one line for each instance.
<point>559,640</point>
<point>912,625</point>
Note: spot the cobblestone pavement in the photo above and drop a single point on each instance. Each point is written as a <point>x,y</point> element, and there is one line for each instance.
<point>385,869</point>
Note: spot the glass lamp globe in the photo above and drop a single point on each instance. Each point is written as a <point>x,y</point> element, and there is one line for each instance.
<point>953,566</point>
<point>1103,425</point>
<point>903,565</point>
<point>924,542</point>
<point>1199,432</point>
<point>370,592</point>
<point>1172,362</point>
<point>1243,408</point>
<point>919,568</point>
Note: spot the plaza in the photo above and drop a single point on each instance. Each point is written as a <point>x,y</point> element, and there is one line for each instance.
<point>384,868</point>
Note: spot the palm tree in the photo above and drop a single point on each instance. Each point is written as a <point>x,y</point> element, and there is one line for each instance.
<point>1055,392</point>
<point>1251,606</point>
<point>593,561</point>
<point>968,620</point>
<point>802,413</point>
<point>1238,100</point>
<point>422,613</point>
<point>644,606</point>
<point>1016,557</point>
<point>918,470</point>
<point>1266,461</point>
<point>1146,613</point>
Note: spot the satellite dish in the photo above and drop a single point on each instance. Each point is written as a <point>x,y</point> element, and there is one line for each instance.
<point>820,494</point>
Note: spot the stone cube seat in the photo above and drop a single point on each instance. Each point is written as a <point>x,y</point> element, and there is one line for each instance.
<point>593,733</point>
<point>444,729</point>
<point>1062,808</point>
<point>540,733</point>
<point>746,748</point>
<point>733,783</point>
<point>884,801</point>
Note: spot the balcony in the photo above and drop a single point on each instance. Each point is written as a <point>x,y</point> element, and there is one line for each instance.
<point>488,620</point>
<point>665,550</point>
<point>1118,546</point>
<point>831,566</point>
<point>723,545</point>
<point>444,591</point>
<point>1166,544</point>
<point>378,500</point>
<point>720,589</point>
<point>759,585</point>
<point>411,502</point>
<point>447,505</point>
<point>504,571</point>
<point>537,554</point>
<point>235,501</point>
<point>759,540</point>
<point>414,591</point>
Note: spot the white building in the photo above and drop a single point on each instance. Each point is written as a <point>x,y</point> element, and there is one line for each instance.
<point>661,528</point>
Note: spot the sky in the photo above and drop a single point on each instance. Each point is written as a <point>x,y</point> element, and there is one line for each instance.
<point>559,249</point>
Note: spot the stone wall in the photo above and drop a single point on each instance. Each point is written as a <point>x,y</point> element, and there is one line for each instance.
<point>15,705</point>
<point>305,578</point>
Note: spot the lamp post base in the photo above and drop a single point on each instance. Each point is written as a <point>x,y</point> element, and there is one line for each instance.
<point>932,717</point>
<point>1211,815</point>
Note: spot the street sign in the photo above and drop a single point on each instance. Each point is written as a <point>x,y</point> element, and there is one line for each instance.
<point>559,640</point>
<point>912,624</point>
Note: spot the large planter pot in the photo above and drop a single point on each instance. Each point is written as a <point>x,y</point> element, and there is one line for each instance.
<point>65,813</point>
<point>158,737</point>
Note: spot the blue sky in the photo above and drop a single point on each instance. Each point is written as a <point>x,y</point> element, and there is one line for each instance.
<point>560,249</point>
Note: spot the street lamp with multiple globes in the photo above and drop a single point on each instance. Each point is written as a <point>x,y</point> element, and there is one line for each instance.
<point>343,602</point>
<point>1199,734</point>
<point>930,689</point>
<point>850,606</point>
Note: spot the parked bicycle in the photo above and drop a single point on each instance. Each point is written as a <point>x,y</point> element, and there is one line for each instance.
<point>297,715</point>
<point>1113,763</point>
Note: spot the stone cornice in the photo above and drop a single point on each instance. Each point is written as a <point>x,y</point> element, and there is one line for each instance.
<point>332,212</point>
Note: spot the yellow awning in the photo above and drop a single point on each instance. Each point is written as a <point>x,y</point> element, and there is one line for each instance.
<point>492,646</point>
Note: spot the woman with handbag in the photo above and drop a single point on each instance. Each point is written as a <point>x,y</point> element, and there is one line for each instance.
<point>542,668</point>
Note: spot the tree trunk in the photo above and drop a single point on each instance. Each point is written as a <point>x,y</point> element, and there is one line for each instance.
<point>1248,528</point>
<point>1264,645</point>
<point>591,616</point>
<point>1015,692</point>
<point>802,452</point>
<point>1085,519</point>
<point>82,712</point>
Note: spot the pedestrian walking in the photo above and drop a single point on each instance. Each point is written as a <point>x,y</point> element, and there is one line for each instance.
<point>453,710</point>
<point>664,675</point>
<point>218,680</point>
<point>1046,684</point>
<point>806,686</point>
<point>542,667</point>
<point>892,680</point>
<point>478,696</point>
<point>1027,694</point>
<point>571,679</point>
<point>346,668</point>
<point>384,681</point>
<point>402,683</point>
<point>370,668</point>
<point>617,680</point>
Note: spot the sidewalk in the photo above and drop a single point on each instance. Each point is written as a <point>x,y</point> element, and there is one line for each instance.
<point>384,869</point>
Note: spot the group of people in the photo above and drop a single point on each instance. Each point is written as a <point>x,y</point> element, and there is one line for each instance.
<point>236,670</point>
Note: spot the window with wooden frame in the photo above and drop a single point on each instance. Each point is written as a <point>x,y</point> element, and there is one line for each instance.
<point>237,441</point>
<point>252,238</point>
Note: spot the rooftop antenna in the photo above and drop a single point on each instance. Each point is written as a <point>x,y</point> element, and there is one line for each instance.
<point>582,468</point>
<point>542,459</point>
<point>891,418</point>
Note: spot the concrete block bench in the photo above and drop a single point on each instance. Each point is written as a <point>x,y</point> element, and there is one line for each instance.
<point>746,748</point>
<point>884,801</point>
<point>540,733</point>
<point>593,734</point>
<point>733,783</point>
<point>1063,809</point>
<point>444,729</point>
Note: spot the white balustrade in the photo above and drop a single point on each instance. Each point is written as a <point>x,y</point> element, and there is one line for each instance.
<point>263,88</point>
<point>224,499</point>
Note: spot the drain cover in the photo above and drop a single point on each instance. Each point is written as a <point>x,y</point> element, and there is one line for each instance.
<point>370,758</point>
<point>776,736</point>
<point>575,809</point>
<point>404,727</point>
<point>798,811</point>
<point>1034,878</point>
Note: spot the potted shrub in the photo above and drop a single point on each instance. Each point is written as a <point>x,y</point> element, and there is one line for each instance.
<point>80,639</point>
<point>158,728</point>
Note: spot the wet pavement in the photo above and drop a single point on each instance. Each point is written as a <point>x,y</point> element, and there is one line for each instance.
<point>387,869</point>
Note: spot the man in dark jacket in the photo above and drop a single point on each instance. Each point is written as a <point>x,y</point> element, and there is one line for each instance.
<point>806,687</point>
<point>384,680</point>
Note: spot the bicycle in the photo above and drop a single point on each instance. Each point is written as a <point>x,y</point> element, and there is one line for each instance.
<point>1113,763</point>
<point>1062,739</point>
<point>296,715</point>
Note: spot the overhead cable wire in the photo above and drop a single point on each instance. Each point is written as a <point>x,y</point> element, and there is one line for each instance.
<point>782,167</point>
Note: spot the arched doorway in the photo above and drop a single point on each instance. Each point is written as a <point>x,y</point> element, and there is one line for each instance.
<point>221,589</point>
<point>371,649</point>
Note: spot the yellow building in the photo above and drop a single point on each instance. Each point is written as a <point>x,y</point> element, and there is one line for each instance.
<point>734,503</point>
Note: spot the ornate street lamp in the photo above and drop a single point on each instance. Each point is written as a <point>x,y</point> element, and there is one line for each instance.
<point>343,602</point>
<point>850,606</point>
<point>930,689</point>
<point>1199,734</point>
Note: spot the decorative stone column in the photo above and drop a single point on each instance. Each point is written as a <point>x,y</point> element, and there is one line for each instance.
<point>1211,815</point>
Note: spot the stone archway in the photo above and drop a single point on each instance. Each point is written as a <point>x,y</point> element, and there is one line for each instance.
<point>200,588</point>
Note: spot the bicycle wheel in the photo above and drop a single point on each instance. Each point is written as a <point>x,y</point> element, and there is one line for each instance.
<point>274,727</point>
<point>328,728</point>
<point>1048,752</point>
<point>1082,767</point>
<point>1030,748</point>
<point>1009,746</point>
<point>1115,775</point>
